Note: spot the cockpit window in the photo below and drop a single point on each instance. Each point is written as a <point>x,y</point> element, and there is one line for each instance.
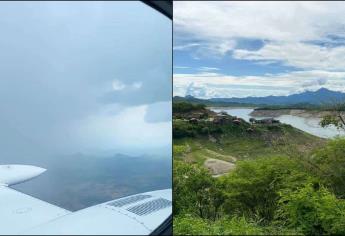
<point>85,92</point>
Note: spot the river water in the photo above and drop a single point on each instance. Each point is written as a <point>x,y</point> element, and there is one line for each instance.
<point>309,125</point>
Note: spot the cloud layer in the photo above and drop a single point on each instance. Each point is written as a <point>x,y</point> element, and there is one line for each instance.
<point>306,37</point>
<point>83,75</point>
<point>208,85</point>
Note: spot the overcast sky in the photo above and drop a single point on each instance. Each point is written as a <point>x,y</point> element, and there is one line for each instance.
<point>84,76</point>
<point>239,49</point>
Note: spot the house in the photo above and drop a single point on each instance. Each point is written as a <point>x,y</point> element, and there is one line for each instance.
<point>237,121</point>
<point>267,121</point>
<point>221,119</point>
<point>193,121</point>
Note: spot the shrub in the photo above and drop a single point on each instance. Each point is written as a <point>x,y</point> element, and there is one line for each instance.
<point>189,225</point>
<point>195,191</point>
<point>252,189</point>
<point>179,149</point>
<point>182,107</point>
<point>329,165</point>
<point>183,129</point>
<point>312,209</point>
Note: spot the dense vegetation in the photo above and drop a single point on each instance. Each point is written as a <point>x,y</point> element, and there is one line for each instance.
<point>285,181</point>
<point>187,107</point>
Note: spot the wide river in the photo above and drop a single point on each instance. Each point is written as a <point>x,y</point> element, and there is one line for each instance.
<point>309,125</point>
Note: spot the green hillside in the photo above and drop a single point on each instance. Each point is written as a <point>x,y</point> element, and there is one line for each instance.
<point>234,177</point>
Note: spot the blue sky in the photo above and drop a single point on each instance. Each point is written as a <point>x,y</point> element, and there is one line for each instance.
<point>84,76</point>
<point>239,49</point>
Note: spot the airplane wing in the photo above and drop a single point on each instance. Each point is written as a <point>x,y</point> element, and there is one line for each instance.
<point>140,214</point>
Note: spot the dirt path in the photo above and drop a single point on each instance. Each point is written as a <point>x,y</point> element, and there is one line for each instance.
<point>221,156</point>
<point>218,167</point>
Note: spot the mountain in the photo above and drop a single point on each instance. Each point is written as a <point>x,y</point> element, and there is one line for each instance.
<point>319,97</point>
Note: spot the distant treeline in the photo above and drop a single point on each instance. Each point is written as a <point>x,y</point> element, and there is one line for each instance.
<point>327,106</point>
<point>182,107</point>
<point>305,106</point>
<point>209,103</point>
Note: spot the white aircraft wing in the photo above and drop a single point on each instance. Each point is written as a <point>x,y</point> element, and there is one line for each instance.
<point>140,214</point>
<point>19,212</point>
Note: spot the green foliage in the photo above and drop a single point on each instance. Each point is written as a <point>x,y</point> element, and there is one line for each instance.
<point>329,165</point>
<point>182,129</point>
<point>195,191</point>
<point>313,210</point>
<point>188,225</point>
<point>179,149</point>
<point>252,189</point>
<point>336,120</point>
<point>336,116</point>
<point>279,186</point>
<point>182,107</point>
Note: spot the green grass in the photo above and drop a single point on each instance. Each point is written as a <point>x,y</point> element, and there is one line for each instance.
<point>234,141</point>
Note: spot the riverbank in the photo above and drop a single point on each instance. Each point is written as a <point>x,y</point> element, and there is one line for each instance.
<point>292,112</point>
<point>306,120</point>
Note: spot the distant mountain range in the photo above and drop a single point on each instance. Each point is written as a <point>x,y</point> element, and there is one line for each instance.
<point>319,97</point>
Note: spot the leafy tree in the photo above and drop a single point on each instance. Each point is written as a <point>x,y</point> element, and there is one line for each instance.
<point>313,210</point>
<point>252,189</point>
<point>183,129</point>
<point>329,165</point>
<point>196,191</point>
<point>182,107</point>
<point>336,118</point>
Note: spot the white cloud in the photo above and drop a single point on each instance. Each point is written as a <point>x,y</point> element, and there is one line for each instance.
<point>118,85</point>
<point>285,27</point>
<point>300,55</point>
<point>185,46</point>
<point>277,21</point>
<point>205,68</point>
<point>126,129</point>
<point>208,85</point>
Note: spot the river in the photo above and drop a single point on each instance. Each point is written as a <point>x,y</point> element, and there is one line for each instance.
<point>309,125</point>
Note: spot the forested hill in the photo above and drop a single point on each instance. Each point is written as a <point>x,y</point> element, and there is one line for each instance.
<point>307,98</point>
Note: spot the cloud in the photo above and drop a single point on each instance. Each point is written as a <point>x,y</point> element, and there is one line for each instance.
<point>118,85</point>
<point>274,21</point>
<point>299,55</point>
<point>87,80</point>
<point>205,68</point>
<point>208,85</point>
<point>181,67</point>
<point>306,37</point>
<point>185,46</point>
<point>315,82</point>
<point>128,129</point>
<point>291,31</point>
<point>158,112</point>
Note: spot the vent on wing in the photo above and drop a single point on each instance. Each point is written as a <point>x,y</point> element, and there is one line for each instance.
<point>150,206</point>
<point>128,200</point>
